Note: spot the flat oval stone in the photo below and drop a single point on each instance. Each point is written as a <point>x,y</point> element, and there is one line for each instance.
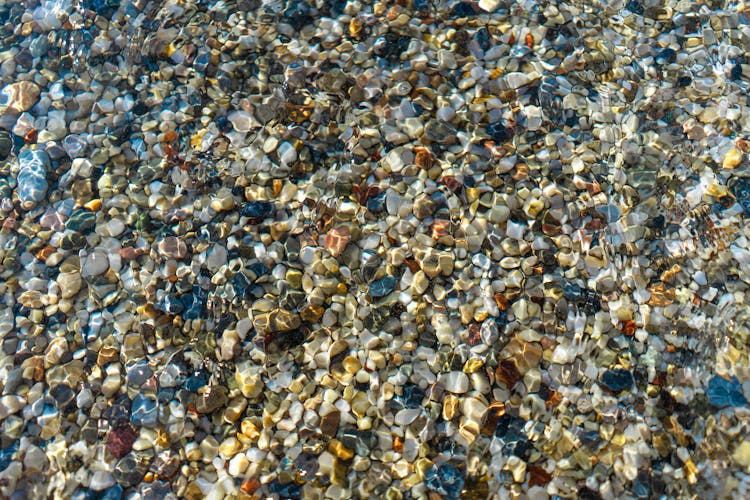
<point>33,165</point>
<point>82,221</point>
<point>18,97</point>
<point>95,263</point>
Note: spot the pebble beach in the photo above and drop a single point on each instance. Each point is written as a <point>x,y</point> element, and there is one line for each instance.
<point>353,249</point>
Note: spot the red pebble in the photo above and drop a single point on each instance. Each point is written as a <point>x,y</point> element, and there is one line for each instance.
<point>120,441</point>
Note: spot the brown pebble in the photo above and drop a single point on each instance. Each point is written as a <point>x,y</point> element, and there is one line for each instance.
<point>336,240</point>
<point>329,424</point>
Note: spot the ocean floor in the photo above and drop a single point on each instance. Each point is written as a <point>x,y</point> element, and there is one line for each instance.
<point>405,249</point>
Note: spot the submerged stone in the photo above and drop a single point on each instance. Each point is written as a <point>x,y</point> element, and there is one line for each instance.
<point>617,380</point>
<point>33,165</point>
<point>383,286</point>
<point>722,392</point>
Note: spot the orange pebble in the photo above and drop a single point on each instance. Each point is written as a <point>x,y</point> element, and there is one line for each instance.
<point>94,205</point>
<point>31,136</point>
<point>170,136</point>
<point>501,301</point>
<point>250,485</point>
<point>398,444</point>
<point>440,228</point>
<point>628,328</point>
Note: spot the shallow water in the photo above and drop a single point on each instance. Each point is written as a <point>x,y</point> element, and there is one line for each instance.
<point>339,249</point>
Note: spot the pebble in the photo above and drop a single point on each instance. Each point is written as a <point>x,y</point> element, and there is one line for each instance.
<point>172,248</point>
<point>18,97</point>
<point>617,380</point>
<point>732,158</point>
<point>70,284</point>
<point>32,175</point>
<point>94,264</point>
<point>336,240</point>
<point>722,392</point>
<point>456,382</point>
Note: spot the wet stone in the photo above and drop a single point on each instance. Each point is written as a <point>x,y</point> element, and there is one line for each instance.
<point>120,440</point>
<point>258,209</point>
<point>722,392</point>
<point>211,399</point>
<point>383,286</point>
<point>329,424</point>
<point>73,241</point>
<point>411,397</point>
<point>359,441</point>
<point>138,374</point>
<point>499,132</point>
<point>129,470</point>
<point>6,144</point>
<point>18,97</point>
<point>447,479</point>
<point>81,221</point>
<point>33,166</point>
<point>373,249</point>
<point>617,380</point>
<point>144,411</point>
<point>172,248</point>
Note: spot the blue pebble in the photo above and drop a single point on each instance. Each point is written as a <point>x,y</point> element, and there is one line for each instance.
<point>635,7</point>
<point>194,303</point>
<point>742,192</point>
<point>6,456</point>
<point>297,15</point>
<point>139,373</point>
<point>422,7</point>
<point>258,269</point>
<point>617,380</point>
<point>447,480</point>
<point>288,490</point>
<point>166,395</point>
<point>33,165</point>
<point>383,286</point>
<point>197,380</point>
<point>736,72</point>
<point>666,56</point>
<point>241,284</point>
<point>411,396</point>
<point>144,411</point>
<point>376,204</point>
<point>113,493</point>
<point>170,305</point>
<point>722,392</point>
<point>510,428</point>
<point>258,209</point>
<point>501,320</point>
<point>464,9</point>
<point>499,132</point>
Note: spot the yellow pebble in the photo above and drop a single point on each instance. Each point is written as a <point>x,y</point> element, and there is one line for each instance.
<point>339,450</point>
<point>733,158</point>
<point>741,454</point>
<point>94,205</point>
<point>197,139</point>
